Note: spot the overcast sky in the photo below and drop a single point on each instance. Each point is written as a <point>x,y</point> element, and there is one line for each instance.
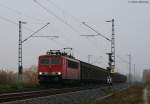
<point>65,16</point>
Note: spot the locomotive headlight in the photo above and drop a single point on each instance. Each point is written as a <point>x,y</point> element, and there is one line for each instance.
<point>40,73</point>
<point>59,73</point>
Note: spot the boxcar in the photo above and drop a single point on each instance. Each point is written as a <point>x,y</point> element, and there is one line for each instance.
<point>92,73</point>
<point>118,78</point>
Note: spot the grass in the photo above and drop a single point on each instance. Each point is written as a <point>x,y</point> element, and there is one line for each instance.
<point>8,80</point>
<point>132,95</point>
<point>148,92</point>
<point>15,87</point>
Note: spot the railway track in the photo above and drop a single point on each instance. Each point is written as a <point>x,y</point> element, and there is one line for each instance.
<point>7,97</point>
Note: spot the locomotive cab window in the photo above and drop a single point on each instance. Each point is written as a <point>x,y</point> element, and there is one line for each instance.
<point>72,64</point>
<point>44,61</point>
<point>55,61</point>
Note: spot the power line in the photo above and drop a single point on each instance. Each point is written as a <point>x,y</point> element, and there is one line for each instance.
<point>15,23</point>
<point>12,22</point>
<point>98,33</point>
<point>65,45</point>
<point>45,36</point>
<point>74,17</point>
<point>35,32</point>
<point>60,19</point>
<point>57,17</point>
<point>61,44</point>
<point>14,10</point>
<point>63,11</point>
<point>20,65</point>
<point>20,13</point>
<point>8,20</point>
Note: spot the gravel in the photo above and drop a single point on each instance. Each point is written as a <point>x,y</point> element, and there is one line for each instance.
<point>78,97</point>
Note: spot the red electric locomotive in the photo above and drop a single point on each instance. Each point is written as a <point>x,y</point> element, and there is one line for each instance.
<point>56,66</point>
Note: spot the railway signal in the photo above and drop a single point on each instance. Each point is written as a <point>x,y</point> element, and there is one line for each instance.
<point>109,80</point>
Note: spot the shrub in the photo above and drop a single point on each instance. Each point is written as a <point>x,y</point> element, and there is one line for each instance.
<point>7,77</point>
<point>30,76</point>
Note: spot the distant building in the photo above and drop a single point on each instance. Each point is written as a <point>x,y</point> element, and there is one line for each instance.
<point>146,75</point>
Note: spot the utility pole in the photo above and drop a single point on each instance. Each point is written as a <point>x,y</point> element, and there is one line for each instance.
<point>20,65</point>
<point>111,55</point>
<point>20,54</point>
<point>129,69</point>
<point>113,44</point>
<point>112,40</point>
<point>134,73</point>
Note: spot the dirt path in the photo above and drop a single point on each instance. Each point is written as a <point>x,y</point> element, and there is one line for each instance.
<point>145,97</point>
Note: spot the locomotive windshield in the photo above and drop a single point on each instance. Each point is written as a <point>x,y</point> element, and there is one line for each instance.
<point>55,61</point>
<point>50,61</point>
<point>45,61</point>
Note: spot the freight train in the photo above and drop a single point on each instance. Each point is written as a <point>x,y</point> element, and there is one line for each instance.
<point>56,66</point>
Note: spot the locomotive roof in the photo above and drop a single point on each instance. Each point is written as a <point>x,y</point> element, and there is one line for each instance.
<point>67,57</point>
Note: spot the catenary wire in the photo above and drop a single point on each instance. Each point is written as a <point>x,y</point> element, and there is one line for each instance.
<point>20,13</point>
<point>56,16</point>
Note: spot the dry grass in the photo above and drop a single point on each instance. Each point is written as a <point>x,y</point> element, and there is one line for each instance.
<point>133,95</point>
<point>148,93</point>
<point>30,76</point>
<point>8,79</point>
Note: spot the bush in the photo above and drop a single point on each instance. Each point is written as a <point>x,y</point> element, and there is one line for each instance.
<point>30,76</point>
<point>7,77</point>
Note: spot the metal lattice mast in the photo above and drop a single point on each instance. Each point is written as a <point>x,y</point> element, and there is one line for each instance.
<point>20,53</point>
<point>112,40</point>
<point>20,66</point>
<point>130,68</point>
<point>113,45</point>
